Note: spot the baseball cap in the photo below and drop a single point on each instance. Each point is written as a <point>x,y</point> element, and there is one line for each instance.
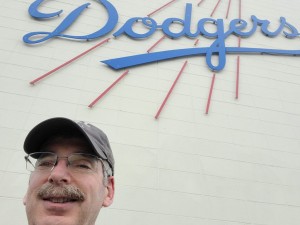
<point>93,135</point>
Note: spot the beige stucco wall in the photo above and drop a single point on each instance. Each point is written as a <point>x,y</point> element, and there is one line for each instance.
<point>238,165</point>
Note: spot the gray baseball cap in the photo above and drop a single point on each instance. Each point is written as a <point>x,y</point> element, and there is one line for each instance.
<point>93,135</point>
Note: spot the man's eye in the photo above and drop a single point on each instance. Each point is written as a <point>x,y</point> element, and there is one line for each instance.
<point>44,164</point>
<point>82,165</point>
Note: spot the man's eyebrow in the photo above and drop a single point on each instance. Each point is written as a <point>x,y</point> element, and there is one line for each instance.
<point>85,151</point>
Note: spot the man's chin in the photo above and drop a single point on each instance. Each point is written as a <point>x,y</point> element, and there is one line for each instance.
<point>50,213</point>
<point>55,220</point>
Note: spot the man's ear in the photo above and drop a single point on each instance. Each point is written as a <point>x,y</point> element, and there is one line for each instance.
<point>25,199</point>
<point>25,196</point>
<point>110,191</point>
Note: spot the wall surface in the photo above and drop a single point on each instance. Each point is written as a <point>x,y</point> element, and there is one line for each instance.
<point>237,165</point>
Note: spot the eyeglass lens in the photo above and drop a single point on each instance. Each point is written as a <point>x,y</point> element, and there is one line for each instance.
<point>46,161</point>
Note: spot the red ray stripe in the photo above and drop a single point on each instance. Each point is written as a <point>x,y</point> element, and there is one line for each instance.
<point>156,43</point>
<point>170,91</point>
<point>210,93</point>
<point>237,77</point>
<point>199,2</point>
<point>150,14</point>
<point>215,8</point>
<point>108,89</point>
<point>68,62</point>
<point>229,3</point>
<point>240,9</point>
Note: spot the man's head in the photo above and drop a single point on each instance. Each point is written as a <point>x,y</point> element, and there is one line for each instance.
<point>72,173</point>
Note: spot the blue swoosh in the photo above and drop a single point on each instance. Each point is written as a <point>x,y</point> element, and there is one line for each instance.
<point>135,60</point>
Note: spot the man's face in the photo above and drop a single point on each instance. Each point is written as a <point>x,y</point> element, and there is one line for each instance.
<point>60,210</point>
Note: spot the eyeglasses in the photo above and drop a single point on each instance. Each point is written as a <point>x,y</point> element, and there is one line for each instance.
<point>77,162</point>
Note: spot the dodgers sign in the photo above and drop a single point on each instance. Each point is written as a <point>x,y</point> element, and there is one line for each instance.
<point>236,27</point>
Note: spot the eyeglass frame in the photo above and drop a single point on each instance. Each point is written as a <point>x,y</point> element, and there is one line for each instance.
<point>107,171</point>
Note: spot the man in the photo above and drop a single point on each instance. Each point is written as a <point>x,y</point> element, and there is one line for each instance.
<point>72,170</point>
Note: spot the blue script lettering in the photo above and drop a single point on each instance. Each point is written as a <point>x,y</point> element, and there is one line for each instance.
<point>39,15</point>
<point>34,37</point>
<point>236,27</point>
<point>128,27</point>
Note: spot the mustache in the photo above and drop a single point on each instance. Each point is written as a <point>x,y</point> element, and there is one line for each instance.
<point>71,192</point>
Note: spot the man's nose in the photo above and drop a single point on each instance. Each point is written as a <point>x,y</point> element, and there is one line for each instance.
<point>60,173</point>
